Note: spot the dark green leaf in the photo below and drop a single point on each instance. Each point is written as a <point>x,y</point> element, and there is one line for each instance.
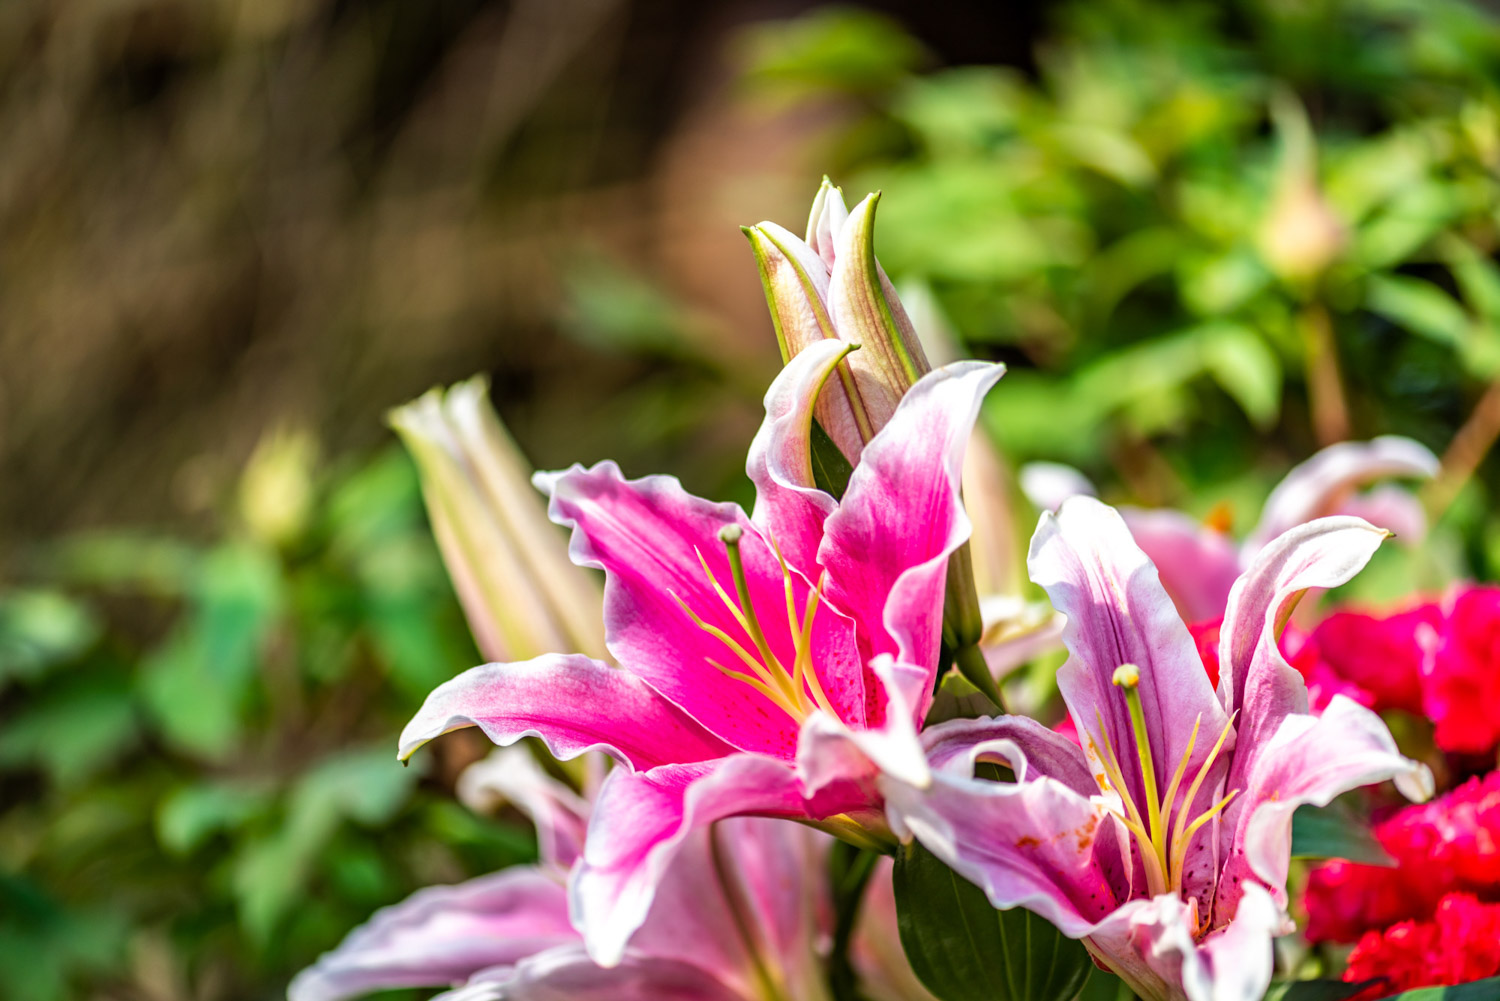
<point>831,471</point>
<point>1311,990</point>
<point>965,950</point>
<point>1478,990</point>
<point>1320,832</point>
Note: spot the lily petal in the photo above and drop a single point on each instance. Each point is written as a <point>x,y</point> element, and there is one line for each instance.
<point>886,548</point>
<point>572,703</point>
<point>1310,759</point>
<point>1026,746</point>
<point>653,541</point>
<point>1028,844</point>
<point>1393,508</point>
<point>1255,680</point>
<point>640,824</point>
<point>744,880</point>
<point>512,775</point>
<point>1198,565</point>
<point>1151,945</point>
<point>1118,613</point>
<point>788,504</point>
<point>442,935</point>
<point>1320,485</point>
<point>568,974</point>
<point>1048,484</point>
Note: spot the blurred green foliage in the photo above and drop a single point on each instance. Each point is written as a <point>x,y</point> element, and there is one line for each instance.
<point>1208,237</point>
<point>197,741</point>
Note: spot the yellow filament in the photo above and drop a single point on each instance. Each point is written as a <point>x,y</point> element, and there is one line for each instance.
<point>1164,857</point>
<point>797,692</point>
<point>1155,878</point>
<point>1180,838</point>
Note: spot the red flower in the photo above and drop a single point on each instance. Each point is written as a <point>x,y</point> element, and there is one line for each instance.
<point>1461,943</point>
<point>1380,654</point>
<point>1451,844</point>
<point>1461,683</point>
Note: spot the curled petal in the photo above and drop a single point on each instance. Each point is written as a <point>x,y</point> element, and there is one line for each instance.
<point>511,775</point>
<point>833,755</point>
<point>788,504</point>
<point>1308,760</point>
<point>1030,844</point>
<point>572,703</point>
<point>442,935</point>
<point>826,221</point>
<point>1324,482</point>
<point>1198,564</point>
<point>1255,680</point>
<point>641,821</point>
<point>1027,747</point>
<point>886,548</point>
<point>743,884</point>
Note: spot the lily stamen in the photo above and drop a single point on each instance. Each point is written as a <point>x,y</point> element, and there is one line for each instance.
<point>798,692</point>
<point>1163,854</point>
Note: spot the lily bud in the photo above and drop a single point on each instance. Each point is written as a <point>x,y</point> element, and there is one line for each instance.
<point>522,596</point>
<point>829,285</point>
<point>276,490</point>
<point>1301,236</point>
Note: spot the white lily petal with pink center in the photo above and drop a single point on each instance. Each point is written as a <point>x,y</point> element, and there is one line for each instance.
<point>511,776</point>
<point>1165,847</point>
<point>443,934</point>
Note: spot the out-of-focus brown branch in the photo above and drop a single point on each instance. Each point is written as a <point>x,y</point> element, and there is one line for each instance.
<point>1468,449</point>
<point>1325,390</point>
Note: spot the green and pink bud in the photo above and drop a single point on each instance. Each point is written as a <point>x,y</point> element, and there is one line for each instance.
<point>522,595</point>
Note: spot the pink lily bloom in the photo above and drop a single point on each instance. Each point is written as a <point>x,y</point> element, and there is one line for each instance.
<point>1199,564</point>
<point>772,664</point>
<point>742,914</point>
<point>1164,841</point>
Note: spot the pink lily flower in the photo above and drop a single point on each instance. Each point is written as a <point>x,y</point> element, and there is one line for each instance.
<point>1164,842</point>
<point>742,914</point>
<point>1199,563</point>
<point>772,664</point>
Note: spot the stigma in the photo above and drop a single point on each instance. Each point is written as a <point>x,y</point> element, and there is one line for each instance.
<point>796,690</point>
<point>1162,826</point>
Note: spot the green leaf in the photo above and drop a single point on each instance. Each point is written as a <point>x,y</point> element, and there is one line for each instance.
<point>1244,365</point>
<point>1311,990</point>
<point>364,786</point>
<point>73,732</point>
<point>1419,306</point>
<point>192,814</point>
<point>831,471</point>
<point>963,949</point>
<point>1478,990</point>
<point>39,629</point>
<point>1322,832</point>
<point>830,49</point>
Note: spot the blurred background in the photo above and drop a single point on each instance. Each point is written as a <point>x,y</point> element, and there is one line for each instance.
<point>1207,238</point>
